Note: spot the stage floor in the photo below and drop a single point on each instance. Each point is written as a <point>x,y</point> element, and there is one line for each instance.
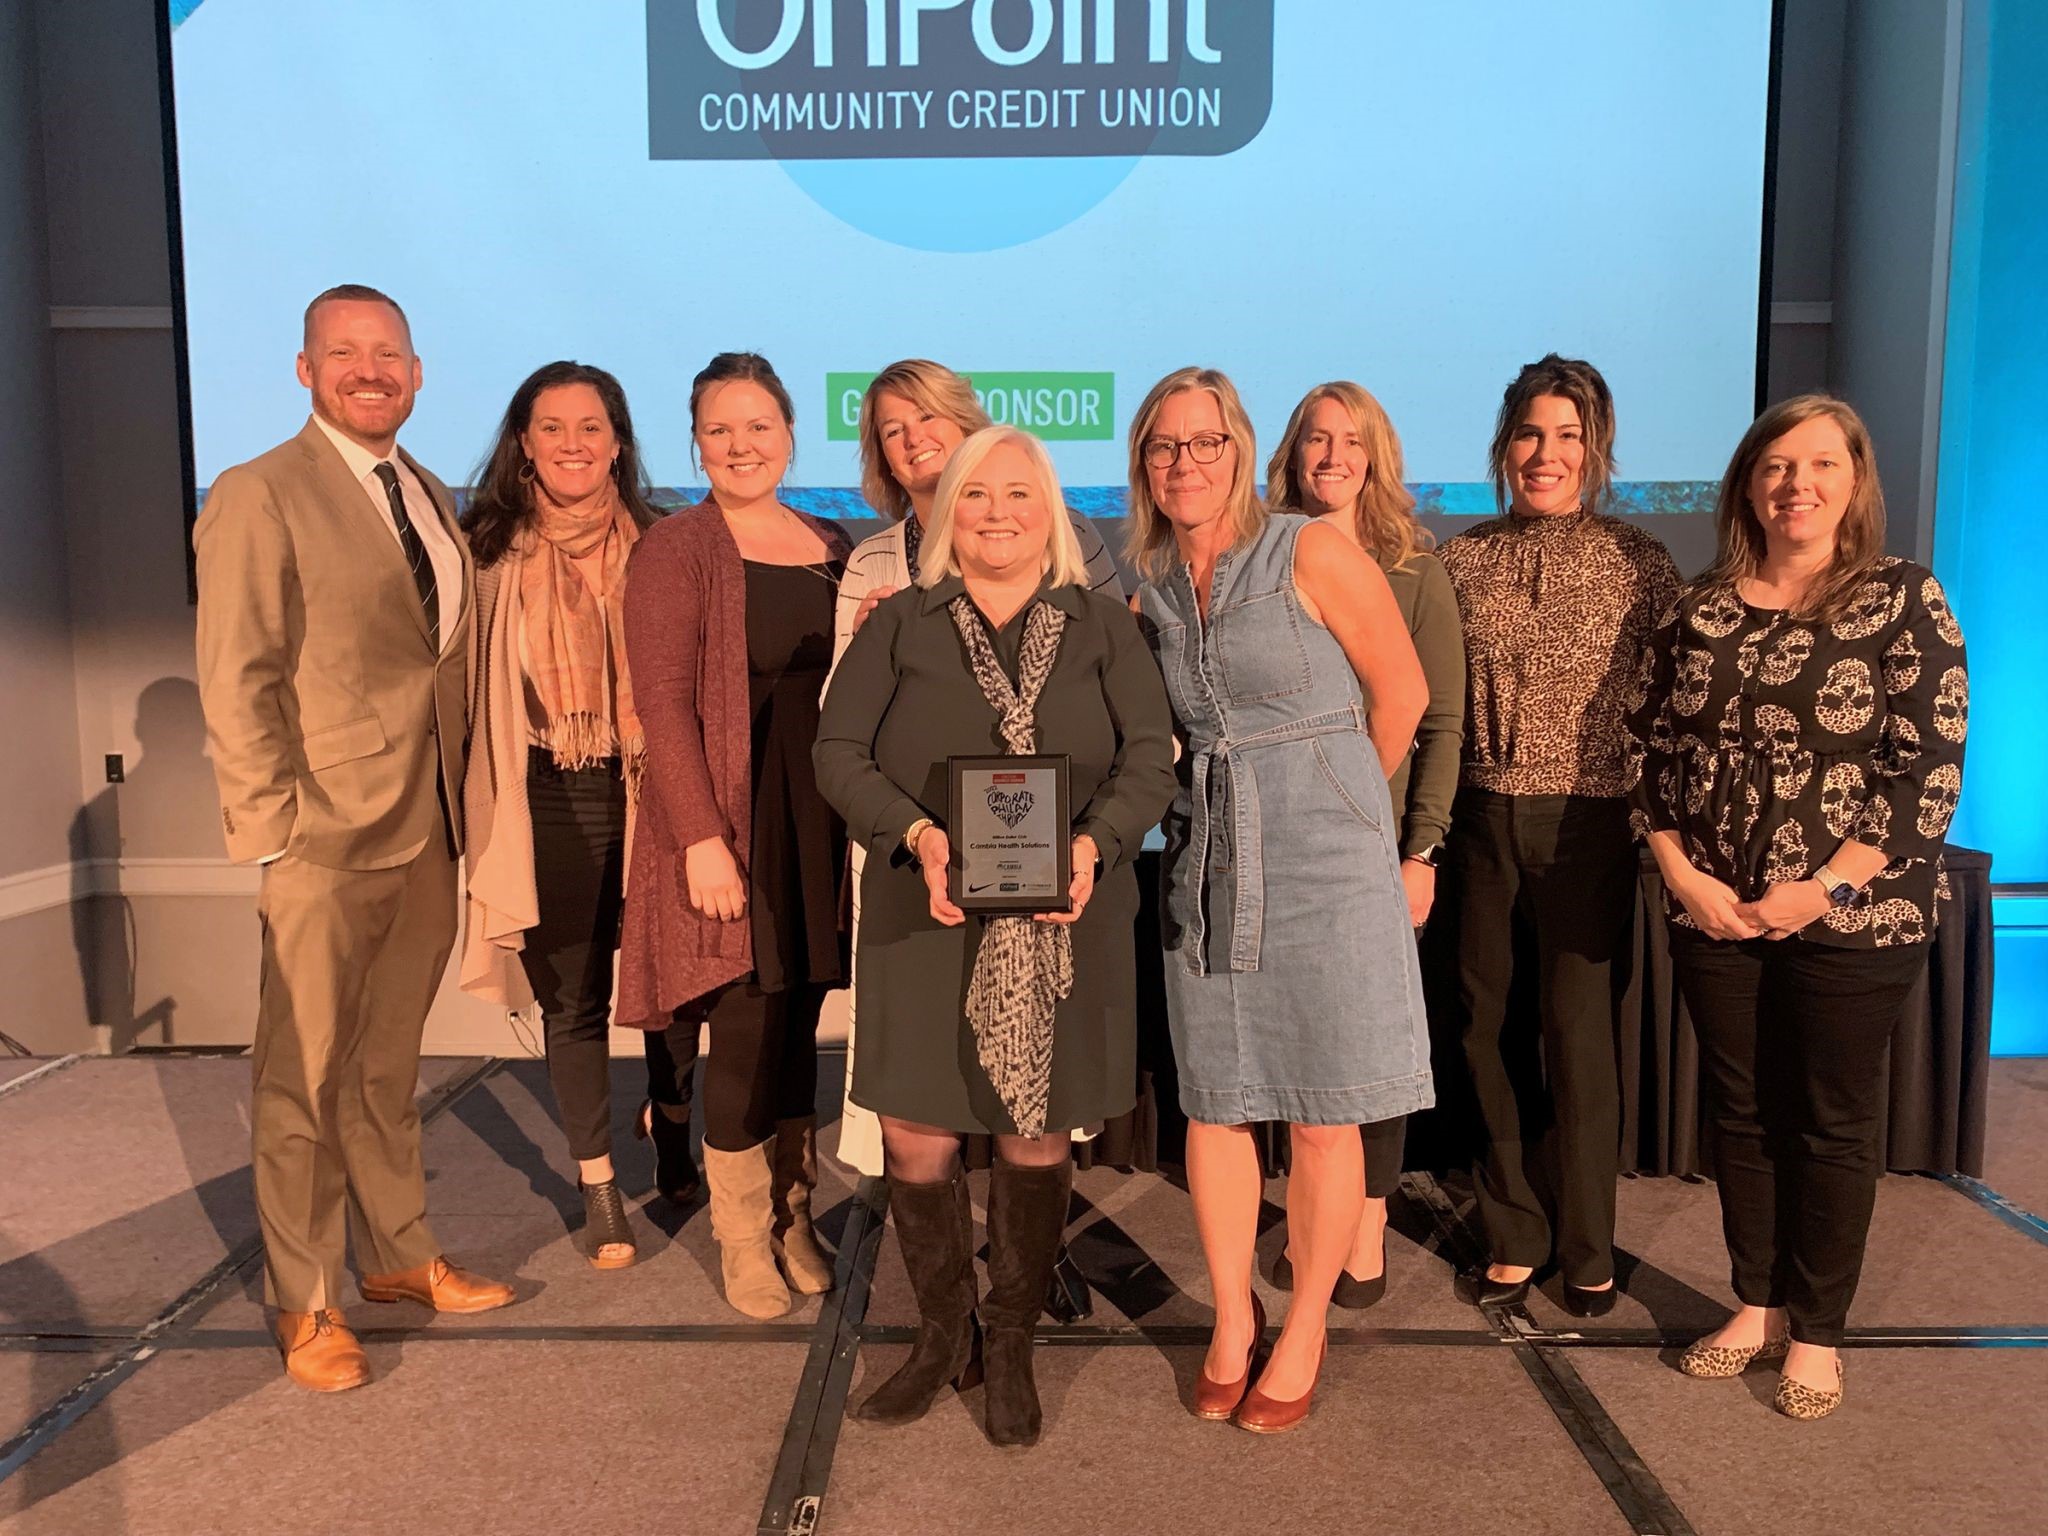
<point>140,1393</point>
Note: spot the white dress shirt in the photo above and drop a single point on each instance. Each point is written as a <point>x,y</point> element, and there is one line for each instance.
<point>419,507</point>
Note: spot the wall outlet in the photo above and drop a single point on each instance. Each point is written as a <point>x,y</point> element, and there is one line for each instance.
<point>116,773</point>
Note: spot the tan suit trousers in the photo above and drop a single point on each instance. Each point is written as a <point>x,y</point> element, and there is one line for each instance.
<point>351,961</point>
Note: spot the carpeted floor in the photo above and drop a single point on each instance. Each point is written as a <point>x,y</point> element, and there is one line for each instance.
<point>2013,1161</point>
<point>1927,1441</point>
<point>139,1393</point>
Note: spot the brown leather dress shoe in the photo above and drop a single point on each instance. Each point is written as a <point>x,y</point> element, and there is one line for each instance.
<point>440,1285</point>
<point>320,1353</point>
<point>1218,1400</point>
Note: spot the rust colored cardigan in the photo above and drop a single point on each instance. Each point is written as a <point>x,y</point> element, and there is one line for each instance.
<point>686,643</point>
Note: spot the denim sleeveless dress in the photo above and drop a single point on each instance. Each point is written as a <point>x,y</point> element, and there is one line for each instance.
<point>1292,987</point>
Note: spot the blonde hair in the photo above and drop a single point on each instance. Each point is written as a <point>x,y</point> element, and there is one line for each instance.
<point>930,387</point>
<point>1384,513</point>
<point>1149,545</point>
<point>1859,537</point>
<point>1063,562</point>
<point>1571,379</point>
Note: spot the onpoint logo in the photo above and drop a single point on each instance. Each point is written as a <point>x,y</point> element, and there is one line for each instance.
<point>877,79</point>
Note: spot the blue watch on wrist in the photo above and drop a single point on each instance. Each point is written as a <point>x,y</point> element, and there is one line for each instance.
<point>1840,892</point>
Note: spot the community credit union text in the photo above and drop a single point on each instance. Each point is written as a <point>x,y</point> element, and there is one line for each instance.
<point>1021,108</point>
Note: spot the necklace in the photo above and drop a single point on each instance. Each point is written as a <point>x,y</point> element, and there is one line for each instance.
<point>817,568</point>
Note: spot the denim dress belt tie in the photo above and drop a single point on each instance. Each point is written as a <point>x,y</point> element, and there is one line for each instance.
<point>1241,798</point>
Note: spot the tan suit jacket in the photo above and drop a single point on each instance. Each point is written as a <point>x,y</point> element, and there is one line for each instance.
<point>335,730</point>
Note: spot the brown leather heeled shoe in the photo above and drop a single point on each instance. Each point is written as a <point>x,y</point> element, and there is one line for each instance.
<point>1218,1400</point>
<point>440,1285</point>
<point>1264,1415</point>
<point>321,1354</point>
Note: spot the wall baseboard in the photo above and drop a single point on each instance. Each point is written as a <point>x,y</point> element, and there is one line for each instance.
<point>58,885</point>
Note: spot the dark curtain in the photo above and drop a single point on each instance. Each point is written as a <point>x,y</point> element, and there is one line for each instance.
<point>1940,1057</point>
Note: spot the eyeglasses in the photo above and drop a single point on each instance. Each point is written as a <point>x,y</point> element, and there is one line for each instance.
<point>1203,448</point>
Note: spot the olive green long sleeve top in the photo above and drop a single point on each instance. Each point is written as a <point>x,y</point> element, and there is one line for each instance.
<point>1427,780</point>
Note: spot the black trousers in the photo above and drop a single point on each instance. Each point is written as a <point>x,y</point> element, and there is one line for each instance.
<point>1386,1146</point>
<point>1385,1141</point>
<point>1541,898</point>
<point>579,842</point>
<point>763,1066</point>
<point>1794,1046</point>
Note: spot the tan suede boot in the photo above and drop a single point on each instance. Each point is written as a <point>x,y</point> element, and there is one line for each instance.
<point>741,1218</point>
<point>808,1267</point>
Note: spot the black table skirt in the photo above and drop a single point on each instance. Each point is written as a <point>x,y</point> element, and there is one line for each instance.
<point>1940,1055</point>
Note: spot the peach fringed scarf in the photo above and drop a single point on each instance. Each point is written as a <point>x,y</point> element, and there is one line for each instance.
<point>575,649</point>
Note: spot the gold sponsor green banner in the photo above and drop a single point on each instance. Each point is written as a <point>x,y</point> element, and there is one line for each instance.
<point>1059,407</point>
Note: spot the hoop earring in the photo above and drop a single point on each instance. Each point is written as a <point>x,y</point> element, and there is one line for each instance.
<point>527,473</point>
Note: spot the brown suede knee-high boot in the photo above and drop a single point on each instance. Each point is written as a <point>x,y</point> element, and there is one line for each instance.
<point>1027,1212</point>
<point>935,1226</point>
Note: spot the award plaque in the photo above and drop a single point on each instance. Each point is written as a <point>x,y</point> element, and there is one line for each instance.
<point>1013,846</point>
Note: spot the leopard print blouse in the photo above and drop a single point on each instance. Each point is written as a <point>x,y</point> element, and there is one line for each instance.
<point>1765,741</point>
<point>1555,612</point>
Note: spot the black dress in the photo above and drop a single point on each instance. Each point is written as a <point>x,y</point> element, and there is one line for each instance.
<point>797,862</point>
<point>903,700</point>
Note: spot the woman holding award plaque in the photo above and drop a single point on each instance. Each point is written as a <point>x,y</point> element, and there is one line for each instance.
<point>1292,986</point>
<point>996,975</point>
<point>912,417</point>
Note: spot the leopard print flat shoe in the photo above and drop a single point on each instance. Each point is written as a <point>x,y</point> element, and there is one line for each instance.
<point>1712,1362</point>
<point>1796,1400</point>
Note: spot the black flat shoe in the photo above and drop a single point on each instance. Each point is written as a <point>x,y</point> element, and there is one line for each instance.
<point>1283,1272</point>
<point>1581,1302</point>
<point>1357,1295</point>
<point>1484,1292</point>
<point>1350,1292</point>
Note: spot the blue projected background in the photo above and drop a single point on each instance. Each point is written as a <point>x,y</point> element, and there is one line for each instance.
<point>1990,546</point>
<point>1420,197</point>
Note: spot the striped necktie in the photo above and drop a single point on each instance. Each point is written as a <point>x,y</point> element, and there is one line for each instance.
<point>415,553</point>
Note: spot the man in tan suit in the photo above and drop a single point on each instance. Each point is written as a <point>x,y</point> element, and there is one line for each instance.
<point>334,633</point>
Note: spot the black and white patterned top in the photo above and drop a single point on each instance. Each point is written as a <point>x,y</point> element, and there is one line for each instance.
<point>1765,741</point>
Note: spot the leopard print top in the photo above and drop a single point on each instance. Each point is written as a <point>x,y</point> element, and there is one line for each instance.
<point>1765,741</point>
<point>1555,611</point>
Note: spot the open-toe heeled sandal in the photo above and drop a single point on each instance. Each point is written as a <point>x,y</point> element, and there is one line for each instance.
<point>605,1228</point>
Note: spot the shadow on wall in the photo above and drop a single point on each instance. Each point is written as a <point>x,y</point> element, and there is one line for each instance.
<point>160,818</point>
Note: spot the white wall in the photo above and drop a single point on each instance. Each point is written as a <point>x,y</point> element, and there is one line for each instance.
<point>38,713</point>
